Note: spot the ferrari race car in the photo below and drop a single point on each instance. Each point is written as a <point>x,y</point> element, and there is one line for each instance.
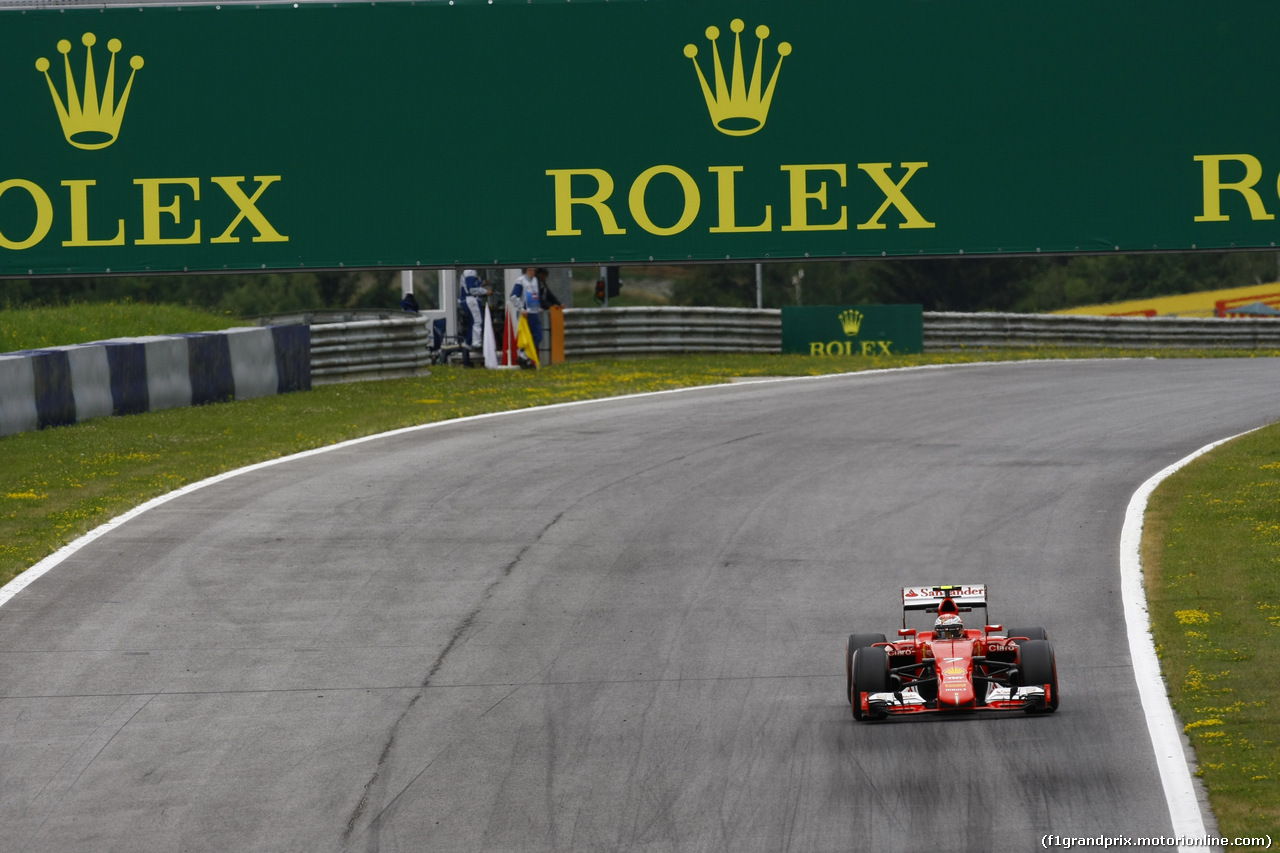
<point>951,668</point>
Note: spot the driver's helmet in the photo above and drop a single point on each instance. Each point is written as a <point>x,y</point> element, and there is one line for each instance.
<point>948,627</point>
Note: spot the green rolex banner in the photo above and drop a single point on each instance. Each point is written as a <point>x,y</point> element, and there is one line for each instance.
<point>843,331</point>
<point>509,132</point>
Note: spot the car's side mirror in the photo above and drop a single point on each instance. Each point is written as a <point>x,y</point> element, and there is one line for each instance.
<point>992,628</point>
<point>906,632</point>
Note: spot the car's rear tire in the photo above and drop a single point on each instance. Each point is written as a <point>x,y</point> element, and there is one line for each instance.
<point>1029,633</point>
<point>855,642</point>
<point>1038,667</point>
<point>870,675</point>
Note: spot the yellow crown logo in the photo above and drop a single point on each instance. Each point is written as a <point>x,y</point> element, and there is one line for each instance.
<point>851,320</point>
<point>91,122</point>
<point>735,109</point>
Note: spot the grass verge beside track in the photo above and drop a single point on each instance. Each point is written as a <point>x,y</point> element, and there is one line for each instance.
<point>33,328</point>
<point>1211,560</point>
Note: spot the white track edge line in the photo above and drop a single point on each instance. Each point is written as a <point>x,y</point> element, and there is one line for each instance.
<point>1162,724</point>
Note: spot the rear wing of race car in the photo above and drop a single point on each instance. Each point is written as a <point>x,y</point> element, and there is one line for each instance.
<point>966,597</point>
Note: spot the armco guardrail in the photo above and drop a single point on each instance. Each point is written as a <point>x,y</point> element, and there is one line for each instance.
<point>370,349</point>
<point>946,331</point>
<point>635,331</point>
<point>644,331</point>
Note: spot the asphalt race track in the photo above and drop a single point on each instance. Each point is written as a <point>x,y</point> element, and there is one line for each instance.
<point>614,626</point>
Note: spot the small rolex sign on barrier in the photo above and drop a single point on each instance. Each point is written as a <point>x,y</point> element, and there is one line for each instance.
<point>842,331</point>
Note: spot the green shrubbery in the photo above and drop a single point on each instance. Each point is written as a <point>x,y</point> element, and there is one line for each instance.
<point>939,284</point>
<point>232,295</point>
<point>1030,284</point>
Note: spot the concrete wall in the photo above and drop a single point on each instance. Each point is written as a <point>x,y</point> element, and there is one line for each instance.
<point>65,385</point>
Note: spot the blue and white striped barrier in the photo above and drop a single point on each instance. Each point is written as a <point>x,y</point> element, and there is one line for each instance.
<point>17,394</point>
<point>65,385</point>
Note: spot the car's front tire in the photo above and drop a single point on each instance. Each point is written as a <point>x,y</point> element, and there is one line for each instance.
<point>855,642</point>
<point>870,674</point>
<point>1037,667</point>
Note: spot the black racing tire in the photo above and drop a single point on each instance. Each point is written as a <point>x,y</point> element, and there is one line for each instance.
<point>1038,666</point>
<point>870,675</point>
<point>1029,633</point>
<point>855,642</point>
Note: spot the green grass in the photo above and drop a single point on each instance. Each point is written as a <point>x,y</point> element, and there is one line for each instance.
<point>33,328</point>
<point>1211,558</point>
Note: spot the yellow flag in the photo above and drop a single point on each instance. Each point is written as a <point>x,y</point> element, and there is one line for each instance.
<point>524,340</point>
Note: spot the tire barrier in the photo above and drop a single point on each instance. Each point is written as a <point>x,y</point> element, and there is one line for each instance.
<point>124,376</point>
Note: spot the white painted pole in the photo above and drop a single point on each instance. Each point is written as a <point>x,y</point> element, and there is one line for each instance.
<point>509,277</point>
<point>448,292</point>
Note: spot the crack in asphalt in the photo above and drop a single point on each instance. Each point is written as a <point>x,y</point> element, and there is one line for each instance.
<point>98,752</point>
<point>458,633</point>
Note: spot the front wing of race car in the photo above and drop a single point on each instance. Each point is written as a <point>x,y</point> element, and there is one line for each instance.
<point>909,701</point>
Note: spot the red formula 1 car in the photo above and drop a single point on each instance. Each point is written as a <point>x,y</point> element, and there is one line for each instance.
<point>950,668</point>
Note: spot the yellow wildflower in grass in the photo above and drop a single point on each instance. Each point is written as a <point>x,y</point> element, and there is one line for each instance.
<point>1199,724</point>
<point>1192,617</point>
<point>1233,708</point>
<point>1196,635</point>
<point>1194,679</point>
<point>25,496</point>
